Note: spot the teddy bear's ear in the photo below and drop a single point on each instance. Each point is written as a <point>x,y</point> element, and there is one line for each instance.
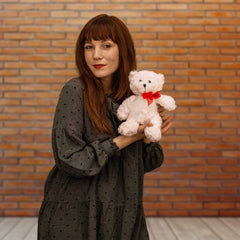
<point>161,76</point>
<point>132,74</point>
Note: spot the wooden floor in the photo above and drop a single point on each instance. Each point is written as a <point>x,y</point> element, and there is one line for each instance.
<point>159,228</point>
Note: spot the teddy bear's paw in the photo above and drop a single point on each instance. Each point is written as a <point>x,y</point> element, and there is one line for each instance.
<point>171,106</point>
<point>121,114</point>
<point>152,134</point>
<point>168,103</point>
<point>127,129</point>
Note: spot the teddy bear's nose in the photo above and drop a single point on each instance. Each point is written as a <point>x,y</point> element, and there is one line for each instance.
<point>144,85</point>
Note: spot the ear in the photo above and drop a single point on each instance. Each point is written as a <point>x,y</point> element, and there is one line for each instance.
<point>161,77</point>
<point>132,74</point>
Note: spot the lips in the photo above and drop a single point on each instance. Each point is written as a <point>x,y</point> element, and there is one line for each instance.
<point>98,66</point>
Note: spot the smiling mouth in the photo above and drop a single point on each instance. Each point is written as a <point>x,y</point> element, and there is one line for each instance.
<point>98,66</point>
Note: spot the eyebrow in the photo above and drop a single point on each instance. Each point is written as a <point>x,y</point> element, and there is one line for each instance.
<point>99,40</point>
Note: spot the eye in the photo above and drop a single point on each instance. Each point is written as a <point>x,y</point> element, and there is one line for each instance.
<point>140,80</point>
<point>107,45</point>
<point>87,47</point>
<point>149,81</point>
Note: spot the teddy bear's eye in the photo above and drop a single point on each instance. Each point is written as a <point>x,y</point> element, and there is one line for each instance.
<point>149,81</point>
<point>140,80</point>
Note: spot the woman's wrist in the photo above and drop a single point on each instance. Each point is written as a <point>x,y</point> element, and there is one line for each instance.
<point>123,141</point>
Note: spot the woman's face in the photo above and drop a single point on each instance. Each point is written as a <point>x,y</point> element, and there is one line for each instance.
<point>102,57</point>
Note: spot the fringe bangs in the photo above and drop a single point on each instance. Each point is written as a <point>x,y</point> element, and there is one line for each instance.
<point>103,30</point>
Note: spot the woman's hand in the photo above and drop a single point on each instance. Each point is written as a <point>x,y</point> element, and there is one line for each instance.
<point>123,141</point>
<point>166,120</point>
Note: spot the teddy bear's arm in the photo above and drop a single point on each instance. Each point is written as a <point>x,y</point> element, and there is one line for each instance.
<point>124,108</point>
<point>167,102</point>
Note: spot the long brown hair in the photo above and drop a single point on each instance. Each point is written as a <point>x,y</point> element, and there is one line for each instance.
<point>104,27</point>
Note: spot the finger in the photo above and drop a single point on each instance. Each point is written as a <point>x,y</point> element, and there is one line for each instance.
<point>147,141</point>
<point>167,120</point>
<point>161,109</point>
<point>165,129</point>
<point>142,127</point>
<point>147,124</point>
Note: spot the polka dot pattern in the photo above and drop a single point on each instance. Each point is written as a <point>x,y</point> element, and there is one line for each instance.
<point>94,191</point>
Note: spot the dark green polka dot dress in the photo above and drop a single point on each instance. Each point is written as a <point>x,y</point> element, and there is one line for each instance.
<point>94,191</point>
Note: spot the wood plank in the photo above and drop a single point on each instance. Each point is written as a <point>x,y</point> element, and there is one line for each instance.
<point>221,229</point>
<point>159,229</point>
<point>191,229</point>
<point>32,235</point>
<point>7,224</point>
<point>150,231</point>
<point>233,223</point>
<point>21,229</point>
<point>180,228</point>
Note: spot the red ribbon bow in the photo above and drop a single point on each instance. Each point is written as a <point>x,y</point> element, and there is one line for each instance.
<point>150,96</point>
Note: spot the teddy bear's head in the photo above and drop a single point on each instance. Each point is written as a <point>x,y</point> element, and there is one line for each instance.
<point>145,81</point>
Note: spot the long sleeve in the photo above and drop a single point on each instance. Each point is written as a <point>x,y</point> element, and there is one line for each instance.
<point>152,156</point>
<point>72,153</point>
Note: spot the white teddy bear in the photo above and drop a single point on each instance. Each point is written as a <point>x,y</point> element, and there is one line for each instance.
<point>142,106</point>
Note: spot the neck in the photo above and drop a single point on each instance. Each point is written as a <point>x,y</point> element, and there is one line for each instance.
<point>107,85</point>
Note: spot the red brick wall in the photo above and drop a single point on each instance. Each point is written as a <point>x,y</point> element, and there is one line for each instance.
<point>195,43</point>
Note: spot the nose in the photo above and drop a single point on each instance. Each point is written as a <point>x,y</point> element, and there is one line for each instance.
<point>144,85</point>
<point>97,53</point>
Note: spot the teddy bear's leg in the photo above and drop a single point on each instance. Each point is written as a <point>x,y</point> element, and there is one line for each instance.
<point>153,133</point>
<point>128,128</point>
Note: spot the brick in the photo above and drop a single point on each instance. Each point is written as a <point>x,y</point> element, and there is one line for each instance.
<point>8,176</point>
<point>33,161</point>
<point>50,21</point>
<point>221,176</point>
<point>217,205</point>
<point>64,14</point>
<point>18,51</point>
<point>18,184</point>
<point>18,124</point>
<point>50,6</point>
<point>19,198</point>
<point>14,139</point>
<point>26,146</point>
<point>50,36</point>
<point>178,183</point>
<point>8,44</point>
<point>35,43</point>
<point>157,205</point>
<point>157,191</point>
<point>220,14</point>
<point>36,58</point>
<point>231,154</point>
<point>204,7</point>
<point>8,146</point>
<point>19,21</point>
<point>105,7</point>
<point>187,205</point>
<point>50,51</point>
<point>29,14</point>
<point>150,183</point>
<point>18,36</point>
<point>206,213</point>
<point>228,213</point>
<point>8,205</point>
<point>8,29</point>
<point>30,205</point>
<point>20,213</point>
<point>172,6</point>
<point>8,14</point>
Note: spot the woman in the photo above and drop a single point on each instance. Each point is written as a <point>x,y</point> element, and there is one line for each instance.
<point>95,189</point>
